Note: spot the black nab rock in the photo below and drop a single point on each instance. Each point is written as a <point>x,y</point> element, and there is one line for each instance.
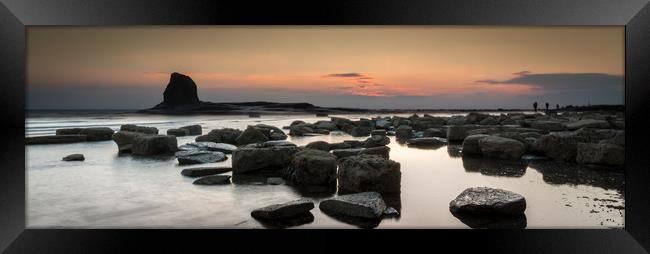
<point>180,91</point>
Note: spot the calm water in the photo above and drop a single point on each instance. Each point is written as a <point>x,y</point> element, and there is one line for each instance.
<point>111,191</point>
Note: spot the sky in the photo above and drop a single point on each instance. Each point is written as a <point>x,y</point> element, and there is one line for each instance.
<point>395,67</point>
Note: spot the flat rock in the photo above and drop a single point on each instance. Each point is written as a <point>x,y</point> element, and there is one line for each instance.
<point>74,157</point>
<point>249,159</point>
<point>588,123</point>
<point>312,167</point>
<point>274,181</point>
<point>204,171</point>
<point>284,210</point>
<point>501,148</point>
<point>427,142</point>
<point>484,200</point>
<point>55,139</point>
<point>369,205</point>
<point>199,157</point>
<point>154,144</point>
<point>213,180</point>
<point>209,146</point>
<point>342,153</point>
<point>369,173</point>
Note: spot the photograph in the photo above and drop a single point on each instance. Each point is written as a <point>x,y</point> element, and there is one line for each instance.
<point>325,127</point>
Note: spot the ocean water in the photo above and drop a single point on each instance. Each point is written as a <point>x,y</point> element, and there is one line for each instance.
<point>108,190</point>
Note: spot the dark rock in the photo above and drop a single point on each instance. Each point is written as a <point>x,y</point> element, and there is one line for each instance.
<point>608,154</point>
<point>226,135</point>
<point>300,129</point>
<point>213,180</point>
<point>434,132</point>
<point>382,151</point>
<point>364,205</point>
<point>489,121</point>
<point>125,140</point>
<point>140,129</point>
<point>342,153</point>
<point>548,126</point>
<point>180,91</point>
<point>318,145</point>
<point>379,132</point>
<point>360,131</point>
<point>475,118</point>
<point>301,219</point>
<point>204,171</point>
<point>375,141</point>
<point>74,157</point>
<point>588,123</point>
<point>178,132</point>
<point>470,144</point>
<point>251,135</point>
<point>274,181</point>
<point>154,144</point>
<point>296,122</point>
<point>193,130</point>
<point>208,146</point>
<point>500,147</point>
<point>312,167</point>
<point>55,139</point>
<point>199,157</point>
<point>284,210</point>
<point>246,159</point>
<point>369,173</point>
<point>271,143</point>
<point>404,132</point>
<point>484,200</point>
<point>426,142</point>
<point>459,132</point>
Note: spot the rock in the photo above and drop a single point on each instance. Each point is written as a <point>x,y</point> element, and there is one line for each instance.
<point>272,132</point>
<point>226,135</point>
<point>607,154</point>
<point>375,141</point>
<point>382,123</point>
<point>426,142</point>
<point>322,115</point>
<point>274,181</point>
<point>199,157</point>
<point>181,90</point>
<point>178,132</point>
<point>92,134</point>
<point>204,171</point>
<point>246,159</point>
<point>328,125</point>
<point>490,167</point>
<point>312,167</point>
<point>484,200</point>
<point>434,132</point>
<point>296,122</point>
<point>500,147</point>
<point>548,126</point>
<point>74,157</point>
<point>342,123</point>
<point>489,121</point>
<point>208,146</point>
<point>125,140</point>
<point>474,118</point>
<point>213,180</point>
<point>193,130</point>
<point>382,151</point>
<point>470,144</point>
<point>318,145</point>
<point>271,144</point>
<point>365,205</point>
<point>284,210</point>
<point>459,132</point>
<point>251,135</point>
<point>354,143</point>
<point>378,132</point>
<point>300,129</point>
<point>360,131</point>
<point>457,120</point>
<point>509,121</point>
<point>140,129</point>
<point>369,173</point>
<point>154,144</point>
<point>404,132</point>
<point>563,145</point>
<point>588,123</point>
<point>55,139</point>
<point>391,212</point>
<point>340,145</point>
<point>342,153</point>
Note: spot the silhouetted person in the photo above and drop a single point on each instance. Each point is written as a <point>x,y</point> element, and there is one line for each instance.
<point>547,106</point>
<point>557,106</point>
<point>535,106</point>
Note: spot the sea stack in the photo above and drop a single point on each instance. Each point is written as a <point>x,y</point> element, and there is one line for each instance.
<point>181,91</point>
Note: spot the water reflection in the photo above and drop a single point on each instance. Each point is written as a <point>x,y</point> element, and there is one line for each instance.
<point>295,221</point>
<point>555,172</point>
<point>359,222</point>
<point>491,167</point>
<point>455,150</point>
<point>492,221</point>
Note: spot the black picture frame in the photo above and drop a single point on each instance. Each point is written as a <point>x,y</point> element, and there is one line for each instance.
<point>15,15</point>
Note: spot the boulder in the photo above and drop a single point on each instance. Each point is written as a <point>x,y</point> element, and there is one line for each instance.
<point>378,132</point>
<point>74,157</point>
<point>300,129</point>
<point>125,140</point>
<point>178,132</point>
<point>271,143</point>
<point>459,132</point>
<point>382,151</point>
<point>360,131</point>
<point>154,145</point>
<point>312,167</point>
<point>140,129</point>
<point>296,122</point>
<point>368,205</point>
<point>607,154</point>
<point>92,134</point>
<point>246,159</point>
<point>501,148</point>
<point>251,135</point>
<point>199,157</point>
<point>55,139</point>
<point>470,144</point>
<point>272,132</point>
<point>375,141</point>
<point>328,125</point>
<point>318,145</point>
<point>213,180</point>
<point>208,146</point>
<point>204,171</point>
<point>342,153</point>
<point>587,123</point>
<point>369,173</point>
<point>193,130</point>
<point>382,123</point>
<point>548,126</point>
<point>434,132</point>
<point>404,132</point>
<point>509,121</point>
<point>475,118</point>
<point>484,200</point>
<point>426,142</point>
<point>489,121</point>
<point>284,210</point>
<point>274,181</point>
<point>181,90</point>
<point>226,135</point>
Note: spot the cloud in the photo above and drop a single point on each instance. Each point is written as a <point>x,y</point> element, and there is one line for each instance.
<point>562,81</point>
<point>345,75</point>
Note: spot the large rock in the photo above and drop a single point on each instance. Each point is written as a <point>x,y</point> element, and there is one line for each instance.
<point>250,159</point>
<point>125,140</point>
<point>434,132</point>
<point>74,157</point>
<point>459,132</point>
<point>548,126</point>
<point>154,144</point>
<point>301,129</point>
<point>284,210</point>
<point>502,148</point>
<point>475,118</point>
<point>180,91</point>
<point>360,131</point>
<point>193,130</point>
<point>490,120</point>
<point>470,144</point>
<point>312,167</point>
<point>347,152</point>
<point>319,145</point>
<point>426,142</point>
<point>383,151</point>
<point>209,146</point>
<point>251,135</point>
<point>588,123</point>
<point>368,205</point>
<point>608,154</point>
<point>484,200</point>
<point>375,141</point>
<point>204,171</point>
<point>178,132</point>
<point>369,173</point>
<point>199,157</point>
<point>92,134</point>
<point>271,132</point>
<point>226,135</point>
<point>403,132</point>
<point>213,180</point>
<point>563,145</point>
<point>140,129</point>
<point>55,139</point>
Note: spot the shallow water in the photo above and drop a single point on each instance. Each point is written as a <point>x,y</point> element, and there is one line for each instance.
<point>108,190</point>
